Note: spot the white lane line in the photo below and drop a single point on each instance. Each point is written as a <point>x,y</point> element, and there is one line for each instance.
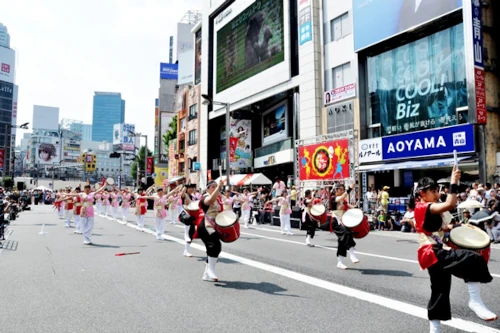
<point>334,249</point>
<point>413,310</point>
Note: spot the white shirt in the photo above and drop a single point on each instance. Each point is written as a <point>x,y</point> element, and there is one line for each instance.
<point>409,216</point>
<point>279,187</point>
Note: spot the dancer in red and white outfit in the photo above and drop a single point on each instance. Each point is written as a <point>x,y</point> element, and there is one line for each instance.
<point>188,196</point>
<point>160,200</point>
<point>246,205</point>
<point>432,221</point>
<point>77,211</point>
<point>59,204</point>
<point>126,197</point>
<point>115,196</point>
<point>285,212</point>
<point>105,203</point>
<point>68,207</point>
<point>141,207</point>
<point>87,213</point>
<point>98,202</point>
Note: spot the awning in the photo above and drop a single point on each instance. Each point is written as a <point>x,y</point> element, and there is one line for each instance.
<point>443,162</point>
<point>248,179</point>
<point>175,179</point>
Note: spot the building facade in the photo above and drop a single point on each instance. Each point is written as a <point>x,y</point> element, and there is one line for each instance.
<point>108,109</point>
<point>4,36</point>
<point>270,76</point>
<point>427,87</point>
<point>8,105</point>
<point>45,118</point>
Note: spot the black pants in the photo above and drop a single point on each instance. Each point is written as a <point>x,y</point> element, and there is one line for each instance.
<point>211,241</point>
<point>346,241</point>
<point>192,230</point>
<point>311,229</point>
<point>465,264</point>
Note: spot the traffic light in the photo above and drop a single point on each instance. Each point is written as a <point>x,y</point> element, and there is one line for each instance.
<point>90,161</point>
<point>114,155</point>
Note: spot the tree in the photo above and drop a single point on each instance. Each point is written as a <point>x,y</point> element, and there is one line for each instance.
<point>141,160</point>
<point>171,133</point>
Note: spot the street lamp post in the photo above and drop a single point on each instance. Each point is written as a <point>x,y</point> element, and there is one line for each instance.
<point>208,101</point>
<point>7,127</point>
<point>132,134</point>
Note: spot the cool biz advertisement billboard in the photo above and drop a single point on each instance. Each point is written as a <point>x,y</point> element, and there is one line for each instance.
<point>325,161</point>
<point>420,85</point>
<point>250,43</point>
<point>377,20</point>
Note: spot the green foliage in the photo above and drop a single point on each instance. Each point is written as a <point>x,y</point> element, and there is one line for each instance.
<point>140,158</point>
<point>171,133</point>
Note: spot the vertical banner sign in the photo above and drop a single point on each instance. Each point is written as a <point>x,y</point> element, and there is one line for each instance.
<point>233,142</point>
<point>171,50</point>
<point>1,158</point>
<point>149,164</point>
<point>477,38</point>
<point>305,25</point>
<point>325,161</point>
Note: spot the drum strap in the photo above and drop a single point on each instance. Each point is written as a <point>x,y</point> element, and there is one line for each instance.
<point>212,222</point>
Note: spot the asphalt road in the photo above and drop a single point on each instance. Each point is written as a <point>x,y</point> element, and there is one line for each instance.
<point>268,283</point>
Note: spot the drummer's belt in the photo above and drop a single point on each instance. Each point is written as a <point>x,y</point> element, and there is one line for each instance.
<point>87,204</point>
<point>78,204</point>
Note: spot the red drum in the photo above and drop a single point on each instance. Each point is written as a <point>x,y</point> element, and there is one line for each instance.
<point>227,225</point>
<point>193,208</point>
<point>355,220</point>
<point>470,238</point>
<point>318,211</point>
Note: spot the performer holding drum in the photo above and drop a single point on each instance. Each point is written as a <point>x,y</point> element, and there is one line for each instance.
<point>191,211</point>
<point>310,221</point>
<point>345,236</point>
<point>431,221</point>
<point>212,205</point>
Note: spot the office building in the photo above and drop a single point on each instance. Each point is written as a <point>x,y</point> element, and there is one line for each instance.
<point>8,104</point>
<point>45,118</point>
<point>4,36</point>
<point>109,109</point>
<point>87,132</point>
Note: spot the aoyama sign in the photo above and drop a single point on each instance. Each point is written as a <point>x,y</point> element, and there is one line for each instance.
<point>418,144</point>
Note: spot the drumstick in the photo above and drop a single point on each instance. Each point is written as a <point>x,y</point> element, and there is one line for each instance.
<point>125,253</point>
<point>456,161</point>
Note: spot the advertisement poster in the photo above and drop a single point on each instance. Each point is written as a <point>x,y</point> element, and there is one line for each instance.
<point>169,71</point>
<point>121,136</point>
<point>2,151</point>
<point>275,125</point>
<point>150,161</point>
<point>378,20</point>
<point>47,153</point>
<point>339,94</point>
<point>161,175</point>
<point>197,59</point>
<point>233,143</point>
<point>305,26</point>
<point>172,165</point>
<point>7,64</point>
<point>241,136</point>
<point>420,85</point>
<point>325,161</point>
<point>250,43</point>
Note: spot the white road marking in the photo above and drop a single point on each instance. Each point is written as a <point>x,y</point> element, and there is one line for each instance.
<point>409,309</point>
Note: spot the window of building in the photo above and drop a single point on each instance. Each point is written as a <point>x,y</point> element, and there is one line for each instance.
<point>183,124</point>
<point>182,145</point>
<point>342,75</point>
<point>193,111</point>
<point>192,138</point>
<point>340,27</point>
<point>181,167</point>
<point>193,161</point>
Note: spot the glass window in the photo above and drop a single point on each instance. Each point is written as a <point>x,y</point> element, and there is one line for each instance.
<point>342,75</point>
<point>182,145</point>
<point>420,85</point>
<point>193,111</point>
<point>181,167</point>
<point>192,137</point>
<point>340,27</point>
<point>183,124</point>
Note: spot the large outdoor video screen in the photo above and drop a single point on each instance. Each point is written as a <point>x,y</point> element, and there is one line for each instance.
<point>420,85</point>
<point>250,43</point>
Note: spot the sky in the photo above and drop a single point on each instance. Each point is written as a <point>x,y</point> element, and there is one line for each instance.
<point>66,50</point>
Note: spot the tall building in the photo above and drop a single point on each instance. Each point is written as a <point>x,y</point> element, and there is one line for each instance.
<point>87,132</point>
<point>8,102</point>
<point>4,36</point>
<point>109,109</point>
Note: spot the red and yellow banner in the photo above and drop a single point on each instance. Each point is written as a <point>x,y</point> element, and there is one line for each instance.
<point>233,143</point>
<point>325,161</point>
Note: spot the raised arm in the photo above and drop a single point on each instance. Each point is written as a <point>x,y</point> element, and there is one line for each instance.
<point>451,199</point>
<point>209,200</point>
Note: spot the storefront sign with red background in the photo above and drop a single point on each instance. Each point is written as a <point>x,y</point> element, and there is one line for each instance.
<point>325,161</point>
